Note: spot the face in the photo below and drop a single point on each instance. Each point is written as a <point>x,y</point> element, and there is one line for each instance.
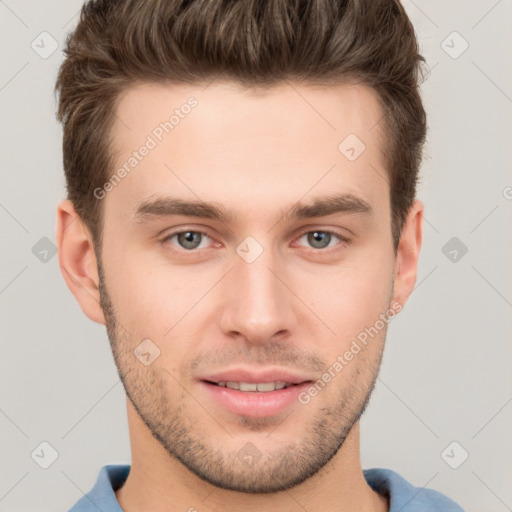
<point>268,280</point>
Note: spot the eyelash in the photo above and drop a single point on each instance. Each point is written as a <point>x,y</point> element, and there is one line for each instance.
<point>342,238</point>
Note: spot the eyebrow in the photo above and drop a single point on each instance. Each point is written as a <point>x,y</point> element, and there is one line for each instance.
<point>321,206</point>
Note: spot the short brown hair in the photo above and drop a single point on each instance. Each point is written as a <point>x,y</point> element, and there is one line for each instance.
<point>256,43</point>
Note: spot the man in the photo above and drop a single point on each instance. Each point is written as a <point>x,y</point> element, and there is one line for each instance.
<point>241,216</point>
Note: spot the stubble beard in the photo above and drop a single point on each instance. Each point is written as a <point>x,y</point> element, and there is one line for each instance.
<point>179,434</point>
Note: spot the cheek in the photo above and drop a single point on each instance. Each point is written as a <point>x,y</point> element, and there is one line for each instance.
<point>156,301</point>
<point>347,297</point>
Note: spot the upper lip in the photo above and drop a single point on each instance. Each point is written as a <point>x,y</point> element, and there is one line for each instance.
<point>256,376</point>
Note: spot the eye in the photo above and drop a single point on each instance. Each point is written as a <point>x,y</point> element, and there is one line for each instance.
<point>189,239</point>
<point>321,239</point>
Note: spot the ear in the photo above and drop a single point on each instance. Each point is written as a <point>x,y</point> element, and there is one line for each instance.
<point>77,260</point>
<point>406,266</point>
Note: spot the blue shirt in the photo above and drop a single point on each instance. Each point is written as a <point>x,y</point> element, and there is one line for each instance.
<point>403,496</point>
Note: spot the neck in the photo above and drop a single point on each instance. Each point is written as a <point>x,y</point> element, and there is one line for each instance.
<point>159,483</point>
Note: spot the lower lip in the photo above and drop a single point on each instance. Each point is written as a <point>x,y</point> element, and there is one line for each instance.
<point>253,403</point>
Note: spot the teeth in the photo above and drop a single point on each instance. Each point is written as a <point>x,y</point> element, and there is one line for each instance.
<point>244,386</point>
<point>251,386</point>
<point>265,386</point>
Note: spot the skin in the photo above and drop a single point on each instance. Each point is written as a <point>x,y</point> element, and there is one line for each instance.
<point>296,306</point>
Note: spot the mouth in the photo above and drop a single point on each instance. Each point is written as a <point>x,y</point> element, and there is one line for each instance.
<point>261,387</point>
<point>254,394</point>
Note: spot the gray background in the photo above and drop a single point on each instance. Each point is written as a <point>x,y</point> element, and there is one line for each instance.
<point>446,370</point>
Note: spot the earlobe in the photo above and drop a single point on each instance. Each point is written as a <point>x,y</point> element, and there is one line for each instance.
<point>77,260</point>
<point>406,266</point>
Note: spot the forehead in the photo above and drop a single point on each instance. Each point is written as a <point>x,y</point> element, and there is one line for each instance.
<point>256,111</point>
<point>224,142</point>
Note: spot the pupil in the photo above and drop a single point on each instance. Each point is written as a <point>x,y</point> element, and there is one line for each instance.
<point>189,239</point>
<point>319,239</point>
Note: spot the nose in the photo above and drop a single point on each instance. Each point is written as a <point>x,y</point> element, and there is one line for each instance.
<point>257,305</point>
